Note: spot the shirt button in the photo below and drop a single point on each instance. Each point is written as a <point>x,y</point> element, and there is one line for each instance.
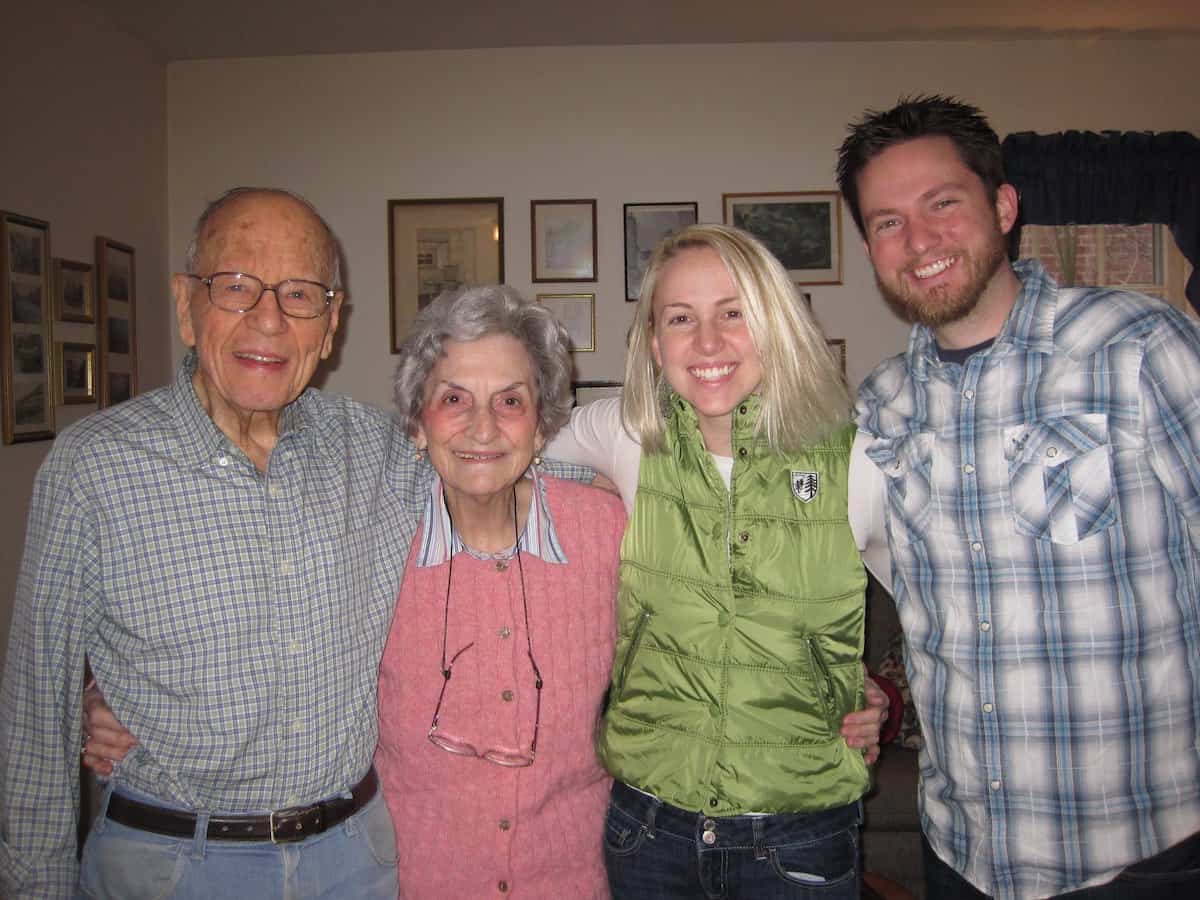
<point>987,707</point>
<point>504,632</point>
<point>275,490</point>
<point>976,546</point>
<point>968,394</point>
<point>294,647</point>
<point>285,568</point>
<point>995,785</point>
<point>222,461</point>
<point>968,468</point>
<point>501,565</point>
<point>506,696</point>
<point>985,626</point>
<point>505,824</point>
<point>297,726</point>
<point>1052,452</point>
<point>502,887</point>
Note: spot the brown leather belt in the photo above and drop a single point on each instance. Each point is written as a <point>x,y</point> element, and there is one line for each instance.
<point>281,826</point>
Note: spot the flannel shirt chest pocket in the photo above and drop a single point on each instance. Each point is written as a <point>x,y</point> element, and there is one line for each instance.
<point>907,464</point>
<point>1060,477</point>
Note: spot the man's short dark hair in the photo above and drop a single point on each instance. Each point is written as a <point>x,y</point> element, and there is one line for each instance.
<point>926,115</point>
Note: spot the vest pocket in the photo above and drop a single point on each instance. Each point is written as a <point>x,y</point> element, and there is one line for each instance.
<point>634,643</point>
<point>822,679</point>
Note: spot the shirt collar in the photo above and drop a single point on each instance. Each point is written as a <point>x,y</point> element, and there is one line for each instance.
<point>440,541</point>
<point>1028,328</point>
<point>205,441</point>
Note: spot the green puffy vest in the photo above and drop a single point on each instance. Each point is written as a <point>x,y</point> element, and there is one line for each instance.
<point>740,628</point>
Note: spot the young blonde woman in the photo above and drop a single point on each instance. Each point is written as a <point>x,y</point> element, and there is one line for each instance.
<point>741,607</point>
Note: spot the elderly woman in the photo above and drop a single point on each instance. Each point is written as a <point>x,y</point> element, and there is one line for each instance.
<point>501,646</point>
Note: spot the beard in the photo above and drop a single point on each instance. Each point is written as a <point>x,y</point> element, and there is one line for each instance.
<point>945,304</point>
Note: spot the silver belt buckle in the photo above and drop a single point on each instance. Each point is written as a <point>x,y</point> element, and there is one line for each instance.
<point>287,825</point>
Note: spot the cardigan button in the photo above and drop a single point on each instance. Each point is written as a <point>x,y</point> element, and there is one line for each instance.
<point>744,536</point>
<point>712,801</point>
<point>743,452</point>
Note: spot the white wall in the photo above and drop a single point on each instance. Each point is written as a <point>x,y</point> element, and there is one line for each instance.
<point>621,124</point>
<point>84,148</point>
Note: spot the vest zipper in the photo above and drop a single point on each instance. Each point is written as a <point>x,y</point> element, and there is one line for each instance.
<point>634,644</point>
<point>823,680</point>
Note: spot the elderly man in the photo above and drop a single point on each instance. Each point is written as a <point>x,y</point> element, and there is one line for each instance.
<point>226,552</point>
<point>1041,450</point>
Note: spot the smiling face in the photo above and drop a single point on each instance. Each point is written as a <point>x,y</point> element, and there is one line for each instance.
<point>255,363</point>
<point>479,419</point>
<point>936,239</point>
<point>701,342</point>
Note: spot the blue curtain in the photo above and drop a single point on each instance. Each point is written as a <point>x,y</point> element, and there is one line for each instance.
<point>1114,177</point>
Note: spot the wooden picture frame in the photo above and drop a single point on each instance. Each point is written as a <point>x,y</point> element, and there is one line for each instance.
<point>116,309</point>
<point>74,291</point>
<point>75,373</point>
<point>441,244</point>
<point>577,312</point>
<point>838,347</point>
<point>646,225</point>
<point>587,391</point>
<point>802,228</point>
<point>25,328</point>
<point>563,240</point>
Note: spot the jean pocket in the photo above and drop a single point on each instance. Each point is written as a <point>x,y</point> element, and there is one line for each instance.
<point>375,821</point>
<point>122,863</point>
<point>623,834</point>
<point>1060,478</point>
<point>827,866</point>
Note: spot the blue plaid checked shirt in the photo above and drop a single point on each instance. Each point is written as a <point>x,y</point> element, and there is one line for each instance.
<point>234,618</point>
<point>1043,512</point>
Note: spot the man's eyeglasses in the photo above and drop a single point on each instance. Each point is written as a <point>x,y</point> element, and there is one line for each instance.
<point>514,759</point>
<point>238,292</point>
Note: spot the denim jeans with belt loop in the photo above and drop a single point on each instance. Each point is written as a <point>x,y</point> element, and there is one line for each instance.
<point>656,851</point>
<point>355,858</point>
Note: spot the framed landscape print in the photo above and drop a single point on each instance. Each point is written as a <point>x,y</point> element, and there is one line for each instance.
<point>439,245</point>
<point>563,240</point>
<point>803,229</point>
<point>646,224</point>
<point>115,283</point>
<point>25,328</point>
<point>74,292</point>
<point>75,373</point>
<point>577,312</point>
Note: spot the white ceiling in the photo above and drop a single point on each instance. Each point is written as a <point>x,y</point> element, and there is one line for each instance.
<point>178,29</point>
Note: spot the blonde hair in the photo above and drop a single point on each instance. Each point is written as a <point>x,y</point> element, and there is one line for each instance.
<point>803,393</point>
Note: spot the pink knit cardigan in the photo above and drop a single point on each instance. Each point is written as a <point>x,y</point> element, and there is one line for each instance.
<point>467,828</point>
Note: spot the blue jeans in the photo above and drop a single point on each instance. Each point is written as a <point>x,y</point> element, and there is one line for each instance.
<point>1173,874</point>
<point>655,851</point>
<point>356,858</point>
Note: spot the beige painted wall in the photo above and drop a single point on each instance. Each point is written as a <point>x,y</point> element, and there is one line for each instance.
<point>621,124</point>
<point>85,149</point>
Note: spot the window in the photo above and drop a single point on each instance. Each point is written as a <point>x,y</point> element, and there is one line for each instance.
<point>1141,258</point>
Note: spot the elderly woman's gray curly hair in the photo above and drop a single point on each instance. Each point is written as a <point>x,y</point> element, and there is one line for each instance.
<point>473,313</point>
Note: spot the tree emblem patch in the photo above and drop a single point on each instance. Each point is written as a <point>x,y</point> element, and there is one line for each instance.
<point>805,486</point>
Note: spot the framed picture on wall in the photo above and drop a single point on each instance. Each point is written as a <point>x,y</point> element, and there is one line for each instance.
<point>75,373</point>
<point>587,391</point>
<point>74,292</point>
<point>117,302</point>
<point>838,347</point>
<point>577,312</point>
<point>646,224</point>
<point>25,328</point>
<point>803,229</point>
<point>439,245</point>
<point>563,240</point>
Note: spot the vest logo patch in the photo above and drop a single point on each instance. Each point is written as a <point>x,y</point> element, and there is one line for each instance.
<point>805,486</point>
